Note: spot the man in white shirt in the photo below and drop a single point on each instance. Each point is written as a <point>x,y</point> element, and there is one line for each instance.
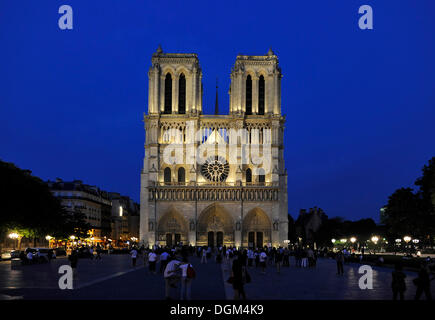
<point>263,258</point>
<point>152,260</point>
<point>171,276</point>
<point>163,260</point>
<point>133,256</point>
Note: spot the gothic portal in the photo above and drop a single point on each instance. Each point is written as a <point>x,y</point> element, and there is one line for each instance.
<point>214,179</point>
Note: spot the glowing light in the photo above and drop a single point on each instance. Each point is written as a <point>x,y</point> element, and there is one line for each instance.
<point>375,239</point>
<point>14,235</point>
<point>343,240</point>
<point>72,237</point>
<point>353,239</point>
<point>407,238</point>
<point>120,211</point>
<point>333,240</point>
<point>48,238</point>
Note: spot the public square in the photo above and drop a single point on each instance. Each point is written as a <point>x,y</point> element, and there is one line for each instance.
<point>113,277</point>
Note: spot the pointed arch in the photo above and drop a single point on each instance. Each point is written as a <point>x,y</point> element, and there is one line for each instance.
<point>168,93</point>
<point>181,175</point>
<point>182,94</point>
<point>261,95</point>
<point>248,106</point>
<point>167,175</point>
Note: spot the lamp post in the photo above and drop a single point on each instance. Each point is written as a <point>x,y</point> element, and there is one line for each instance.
<point>407,239</point>
<point>14,236</point>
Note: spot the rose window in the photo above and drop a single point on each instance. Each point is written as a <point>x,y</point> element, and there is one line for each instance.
<point>215,169</point>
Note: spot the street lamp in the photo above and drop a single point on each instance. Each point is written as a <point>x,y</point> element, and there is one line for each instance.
<point>343,240</point>
<point>72,237</point>
<point>375,239</point>
<point>353,239</point>
<point>333,240</point>
<point>14,235</point>
<point>407,238</point>
<point>415,241</point>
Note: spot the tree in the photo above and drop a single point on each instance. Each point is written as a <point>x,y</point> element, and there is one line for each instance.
<point>28,206</point>
<point>413,213</point>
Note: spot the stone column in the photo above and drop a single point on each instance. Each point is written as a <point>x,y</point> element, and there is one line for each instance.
<point>255,95</point>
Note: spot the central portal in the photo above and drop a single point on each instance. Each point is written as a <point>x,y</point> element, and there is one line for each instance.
<point>215,227</point>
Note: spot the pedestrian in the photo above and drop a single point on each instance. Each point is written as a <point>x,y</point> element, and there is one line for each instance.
<point>340,260</point>
<point>172,276</point>
<point>263,260</point>
<point>73,259</point>
<point>187,276</point>
<point>164,256</point>
<point>238,275</point>
<point>98,257</point>
<point>250,257</point>
<point>152,260</point>
<point>204,256</point>
<point>278,260</point>
<point>133,253</point>
<point>398,284</point>
<point>423,282</point>
<point>91,253</point>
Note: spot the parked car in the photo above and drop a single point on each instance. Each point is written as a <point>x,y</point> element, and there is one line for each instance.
<point>10,255</point>
<point>45,254</point>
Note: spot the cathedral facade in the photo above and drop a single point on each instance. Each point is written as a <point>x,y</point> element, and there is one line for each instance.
<point>214,179</point>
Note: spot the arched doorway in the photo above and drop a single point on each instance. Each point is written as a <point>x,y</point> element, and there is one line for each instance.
<point>257,229</point>
<point>215,227</point>
<point>172,228</point>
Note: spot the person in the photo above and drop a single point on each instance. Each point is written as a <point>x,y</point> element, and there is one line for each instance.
<point>98,257</point>
<point>398,284</point>
<point>29,257</point>
<point>423,282</point>
<point>250,257</point>
<point>91,253</point>
<point>204,256</point>
<point>278,260</point>
<point>238,278</point>
<point>152,260</point>
<point>187,276</point>
<point>310,256</point>
<point>133,253</point>
<point>340,260</point>
<point>171,276</point>
<point>73,259</point>
<point>263,259</point>
<point>163,260</point>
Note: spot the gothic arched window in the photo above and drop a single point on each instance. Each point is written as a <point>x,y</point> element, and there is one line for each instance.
<point>249,95</point>
<point>261,176</point>
<point>168,93</point>
<point>261,95</point>
<point>248,176</point>
<point>182,94</point>
<point>167,175</point>
<point>181,175</point>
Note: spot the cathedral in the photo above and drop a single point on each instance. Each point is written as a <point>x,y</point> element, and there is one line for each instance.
<point>214,179</point>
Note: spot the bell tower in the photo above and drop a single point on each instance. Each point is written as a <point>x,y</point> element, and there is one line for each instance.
<point>256,85</point>
<point>174,84</point>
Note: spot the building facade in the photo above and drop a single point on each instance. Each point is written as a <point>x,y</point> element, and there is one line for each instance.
<point>125,219</point>
<point>214,179</point>
<point>91,201</point>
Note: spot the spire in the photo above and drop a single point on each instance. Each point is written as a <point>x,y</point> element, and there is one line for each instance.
<point>159,49</point>
<point>270,52</point>
<point>216,106</point>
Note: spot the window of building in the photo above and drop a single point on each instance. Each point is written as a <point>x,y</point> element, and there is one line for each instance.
<point>261,95</point>
<point>168,93</point>
<point>181,175</point>
<point>249,95</point>
<point>167,175</point>
<point>248,176</point>
<point>182,94</point>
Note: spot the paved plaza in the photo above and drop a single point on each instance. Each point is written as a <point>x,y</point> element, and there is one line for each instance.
<point>114,278</point>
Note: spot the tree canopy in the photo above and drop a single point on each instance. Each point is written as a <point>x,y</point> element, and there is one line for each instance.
<point>29,207</point>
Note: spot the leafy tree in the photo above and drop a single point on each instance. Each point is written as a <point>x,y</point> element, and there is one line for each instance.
<point>29,207</point>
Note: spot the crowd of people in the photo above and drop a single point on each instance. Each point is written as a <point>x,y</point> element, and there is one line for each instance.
<point>174,264</point>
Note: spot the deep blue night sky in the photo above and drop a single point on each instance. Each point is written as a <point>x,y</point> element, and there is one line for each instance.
<point>360,105</point>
